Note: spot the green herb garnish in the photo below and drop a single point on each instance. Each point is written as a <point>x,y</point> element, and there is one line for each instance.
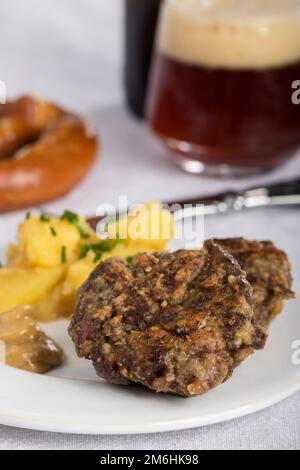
<point>119,240</point>
<point>70,216</point>
<point>63,254</point>
<point>45,218</point>
<point>104,246</point>
<point>98,257</point>
<point>28,216</point>
<point>129,259</point>
<point>73,219</point>
<point>97,248</point>
<point>83,251</point>
<point>53,231</point>
<point>83,233</point>
<point>94,247</point>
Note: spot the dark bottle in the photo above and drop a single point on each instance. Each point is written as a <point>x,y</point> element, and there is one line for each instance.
<point>141,18</point>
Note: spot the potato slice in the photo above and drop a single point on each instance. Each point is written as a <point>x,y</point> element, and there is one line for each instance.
<point>21,286</point>
<point>42,242</point>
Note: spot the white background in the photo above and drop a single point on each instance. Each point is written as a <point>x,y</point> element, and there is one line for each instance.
<point>71,51</point>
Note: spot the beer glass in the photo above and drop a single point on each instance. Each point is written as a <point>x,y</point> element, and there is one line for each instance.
<point>140,24</point>
<point>222,83</point>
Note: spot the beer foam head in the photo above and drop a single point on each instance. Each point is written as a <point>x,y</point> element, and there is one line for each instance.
<point>235,34</point>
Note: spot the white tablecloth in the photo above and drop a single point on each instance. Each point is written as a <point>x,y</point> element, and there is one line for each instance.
<point>71,51</point>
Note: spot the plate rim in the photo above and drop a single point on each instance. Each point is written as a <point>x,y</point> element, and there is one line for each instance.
<point>39,423</point>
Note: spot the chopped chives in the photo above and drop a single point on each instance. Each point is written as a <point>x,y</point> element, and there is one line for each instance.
<point>53,231</point>
<point>119,240</point>
<point>63,255</point>
<point>98,257</point>
<point>83,233</point>
<point>103,246</point>
<point>97,248</point>
<point>70,216</point>
<point>45,218</point>
<point>83,251</point>
<point>73,219</point>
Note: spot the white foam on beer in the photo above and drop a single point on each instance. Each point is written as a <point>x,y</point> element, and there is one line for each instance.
<point>231,33</point>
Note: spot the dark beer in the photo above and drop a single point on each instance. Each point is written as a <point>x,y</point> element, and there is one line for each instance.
<point>224,104</point>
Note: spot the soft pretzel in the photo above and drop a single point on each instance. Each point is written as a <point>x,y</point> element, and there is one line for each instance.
<point>44,152</point>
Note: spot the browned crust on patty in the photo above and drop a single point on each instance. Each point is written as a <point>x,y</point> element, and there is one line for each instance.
<point>174,322</point>
<point>268,270</point>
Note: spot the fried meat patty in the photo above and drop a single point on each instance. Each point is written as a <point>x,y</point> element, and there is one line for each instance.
<point>269,272</point>
<point>174,322</point>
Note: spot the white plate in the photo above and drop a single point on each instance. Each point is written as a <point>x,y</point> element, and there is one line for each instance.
<point>71,399</point>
